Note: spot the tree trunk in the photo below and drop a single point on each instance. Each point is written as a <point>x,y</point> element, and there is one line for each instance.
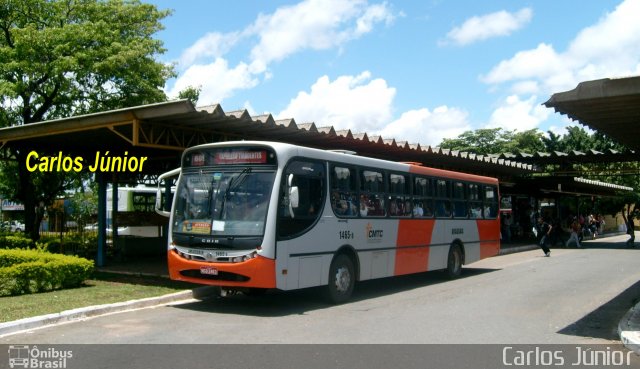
<point>27,195</point>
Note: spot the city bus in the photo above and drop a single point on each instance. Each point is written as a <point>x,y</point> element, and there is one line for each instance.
<point>251,215</point>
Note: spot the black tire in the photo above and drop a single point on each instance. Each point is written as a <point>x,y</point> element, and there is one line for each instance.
<point>342,279</point>
<point>454,263</point>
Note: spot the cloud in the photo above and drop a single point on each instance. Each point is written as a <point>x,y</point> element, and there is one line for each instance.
<point>313,24</point>
<point>428,127</point>
<point>487,26</point>
<point>519,115</point>
<point>364,105</point>
<point>212,45</point>
<point>358,103</point>
<point>310,24</point>
<point>610,48</point>
<point>216,80</point>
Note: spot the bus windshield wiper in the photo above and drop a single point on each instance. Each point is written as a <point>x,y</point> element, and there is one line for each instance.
<point>234,183</point>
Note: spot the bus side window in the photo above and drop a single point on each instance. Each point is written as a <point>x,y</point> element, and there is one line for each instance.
<point>443,198</point>
<point>344,200</point>
<point>490,202</point>
<point>459,200</point>
<point>399,199</point>
<point>422,198</point>
<point>372,188</point>
<point>475,202</point>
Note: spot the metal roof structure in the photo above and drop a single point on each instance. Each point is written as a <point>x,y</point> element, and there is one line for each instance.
<point>558,157</point>
<point>611,106</point>
<point>163,130</point>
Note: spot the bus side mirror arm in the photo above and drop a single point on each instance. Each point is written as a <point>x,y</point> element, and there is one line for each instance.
<point>159,194</point>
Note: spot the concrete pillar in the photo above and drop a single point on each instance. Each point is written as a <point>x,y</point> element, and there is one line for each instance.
<point>102,218</point>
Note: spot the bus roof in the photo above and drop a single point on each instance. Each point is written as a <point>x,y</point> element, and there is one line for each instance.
<point>347,157</point>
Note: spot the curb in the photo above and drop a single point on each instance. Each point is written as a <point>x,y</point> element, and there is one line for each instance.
<point>629,329</point>
<point>513,250</point>
<point>92,311</point>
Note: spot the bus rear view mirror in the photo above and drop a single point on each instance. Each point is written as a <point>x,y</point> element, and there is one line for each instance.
<point>294,197</point>
<point>160,193</point>
<point>294,200</point>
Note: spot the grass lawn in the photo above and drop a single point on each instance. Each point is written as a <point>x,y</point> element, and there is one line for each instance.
<point>104,288</point>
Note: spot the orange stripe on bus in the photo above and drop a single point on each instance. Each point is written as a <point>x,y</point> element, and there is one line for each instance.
<point>445,174</point>
<point>260,270</point>
<point>412,233</point>
<point>489,232</point>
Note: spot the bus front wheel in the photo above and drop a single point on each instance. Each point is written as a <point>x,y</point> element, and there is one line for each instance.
<point>341,279</point>
<point>454,263</point>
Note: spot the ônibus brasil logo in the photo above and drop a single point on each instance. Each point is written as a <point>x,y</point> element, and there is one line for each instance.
<point>24,356</point>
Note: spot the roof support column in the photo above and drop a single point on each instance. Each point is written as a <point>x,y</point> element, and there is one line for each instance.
<point>102,218</point>
<point>114,210</point>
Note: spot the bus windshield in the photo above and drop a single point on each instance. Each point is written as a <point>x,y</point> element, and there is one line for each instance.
<point>227,203</point>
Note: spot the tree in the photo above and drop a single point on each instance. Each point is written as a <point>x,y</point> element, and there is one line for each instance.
<point>68,57</point>
<point>481,141</point>
<point>496,141</point>
<point>191,93</point>
<point>84,205</point>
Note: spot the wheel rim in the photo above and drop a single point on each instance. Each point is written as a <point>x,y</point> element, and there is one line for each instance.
<point>343,279</point>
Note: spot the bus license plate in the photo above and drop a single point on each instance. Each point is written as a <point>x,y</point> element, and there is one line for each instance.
<point>208,270</point>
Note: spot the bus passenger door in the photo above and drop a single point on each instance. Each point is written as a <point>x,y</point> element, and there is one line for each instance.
<point>302,196</point>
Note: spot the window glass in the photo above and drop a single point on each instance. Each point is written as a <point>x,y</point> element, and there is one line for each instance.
<point>399,199</point>
<point>372,181</point>
<point>307,178</point>
<point>475,202</point>
<point>422,200</point>
<point>372,195</point>
<point>422,186</point>
<point>490,202</point>
<point>459,200</point>
<point>344,199</point>
<point>442,188</point>
<point>443,200</point>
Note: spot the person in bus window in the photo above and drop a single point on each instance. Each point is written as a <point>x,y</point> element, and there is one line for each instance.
<point>364,209</point>
<point>418,212</point>
<point>393,208</point>
<point>407,208</point>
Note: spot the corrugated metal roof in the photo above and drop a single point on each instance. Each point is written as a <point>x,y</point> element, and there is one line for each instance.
<point>557,157</point>
<point>215,124</point>
<point>611,106</point>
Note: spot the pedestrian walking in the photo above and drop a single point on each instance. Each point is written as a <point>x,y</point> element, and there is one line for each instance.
<point>573,237</point>
<point>544,230</point>
<point>632,233</point>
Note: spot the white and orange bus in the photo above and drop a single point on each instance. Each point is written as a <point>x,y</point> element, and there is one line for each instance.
<point>254,215</point>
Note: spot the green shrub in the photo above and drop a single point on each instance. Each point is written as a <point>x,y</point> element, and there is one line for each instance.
<point>16,242</point>
<point>28,271</point>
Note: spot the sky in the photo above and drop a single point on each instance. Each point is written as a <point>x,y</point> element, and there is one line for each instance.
<point>416,71</point>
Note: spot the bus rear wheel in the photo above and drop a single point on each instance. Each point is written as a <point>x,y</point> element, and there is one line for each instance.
<point>454,263</point>
<point>341,279</point>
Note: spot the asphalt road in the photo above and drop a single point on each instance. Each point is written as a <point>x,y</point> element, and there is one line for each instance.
<point>576,296</point>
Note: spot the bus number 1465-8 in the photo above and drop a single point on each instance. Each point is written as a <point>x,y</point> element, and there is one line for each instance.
<point>346,235</point>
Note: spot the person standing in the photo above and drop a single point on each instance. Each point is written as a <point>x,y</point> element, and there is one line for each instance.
<point>544,231</point>
<point>631,231</point>
<point>506,228</point>
<point>575,228</point>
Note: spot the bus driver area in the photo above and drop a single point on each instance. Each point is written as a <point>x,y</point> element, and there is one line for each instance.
<point>263,215</point>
